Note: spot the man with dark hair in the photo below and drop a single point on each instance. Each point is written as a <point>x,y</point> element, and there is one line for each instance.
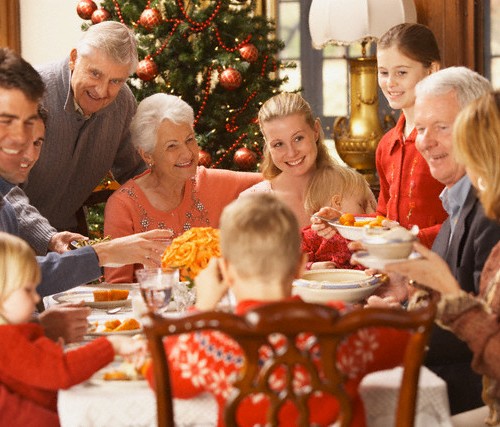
<point>21,89</point>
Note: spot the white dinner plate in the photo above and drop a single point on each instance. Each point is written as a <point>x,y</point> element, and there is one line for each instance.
<point>97,330</point>
<point>98,377</point>
<point>103,334</point>
<point>106,285</point>
<point>87,297</point>
<point>370,261</point>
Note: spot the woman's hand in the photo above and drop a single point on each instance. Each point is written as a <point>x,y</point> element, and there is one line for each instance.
<point>322,228</point>
<point>430,270</point>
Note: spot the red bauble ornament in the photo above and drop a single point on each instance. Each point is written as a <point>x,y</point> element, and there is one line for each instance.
<point>150,18</point>
<point>100,15</point>
<point>249,52</point>
<point>85,9</point>
<point>147,69</point>
<point>230,79</point>
<point>245,159</point>
<point>204,158</point>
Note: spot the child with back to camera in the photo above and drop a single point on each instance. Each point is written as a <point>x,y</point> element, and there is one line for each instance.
<point>33,366</point>
<point>261,256</point>
<point>346,191</point>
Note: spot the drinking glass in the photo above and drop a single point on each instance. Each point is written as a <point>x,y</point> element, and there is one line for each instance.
<point>156,286</point>
<point>184,296</point>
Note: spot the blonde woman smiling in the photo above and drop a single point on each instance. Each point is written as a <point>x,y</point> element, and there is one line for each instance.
<point>294,149</point>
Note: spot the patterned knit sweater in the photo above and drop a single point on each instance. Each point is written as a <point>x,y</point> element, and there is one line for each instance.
<point>210,361</point>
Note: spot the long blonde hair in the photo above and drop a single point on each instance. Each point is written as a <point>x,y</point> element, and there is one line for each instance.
<point>337,180</point>
<point>476,135</point>
<point>287,104</point>
<point>18,265</point>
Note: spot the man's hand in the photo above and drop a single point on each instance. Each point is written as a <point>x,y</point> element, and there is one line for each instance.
<point>65,321</point>
<point>395,287</point>
<point>429,270</point>
<point>142,248</point>
<point>210,287</point>
<point>59,242</point>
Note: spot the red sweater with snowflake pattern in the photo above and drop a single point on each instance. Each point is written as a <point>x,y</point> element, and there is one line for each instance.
<point>209,361</point>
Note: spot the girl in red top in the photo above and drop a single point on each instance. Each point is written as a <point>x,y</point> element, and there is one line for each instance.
<point>345,190</point>
<point>409,194</point>
<point>32,367</point>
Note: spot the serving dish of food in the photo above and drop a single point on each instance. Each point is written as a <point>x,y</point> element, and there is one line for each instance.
<point>321,286</point>
<point>354,227</point>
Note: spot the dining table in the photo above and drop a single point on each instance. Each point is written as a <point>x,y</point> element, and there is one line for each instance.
<point>101,403</point>
<point>98,402</point>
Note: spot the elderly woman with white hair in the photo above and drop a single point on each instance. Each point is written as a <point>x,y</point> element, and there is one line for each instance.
<point>174,193</point>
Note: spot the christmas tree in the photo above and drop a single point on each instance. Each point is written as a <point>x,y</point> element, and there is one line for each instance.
<point>218,55</point>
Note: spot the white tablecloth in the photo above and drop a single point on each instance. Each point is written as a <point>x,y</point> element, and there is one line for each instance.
<point>99,403</point>
<point>379,392</point>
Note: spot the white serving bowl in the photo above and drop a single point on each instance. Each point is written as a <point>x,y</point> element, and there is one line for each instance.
<point>322,286</point>
<point>351,232</point>
<point>392,250</point>
<point>396,243</point>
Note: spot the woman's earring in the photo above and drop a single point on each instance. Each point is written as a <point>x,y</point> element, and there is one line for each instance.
<point>480,184</point>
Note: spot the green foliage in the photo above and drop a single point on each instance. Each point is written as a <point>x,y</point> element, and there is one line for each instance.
<point>194,43</point>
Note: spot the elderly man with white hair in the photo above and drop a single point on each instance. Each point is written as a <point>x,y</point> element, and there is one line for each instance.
<point>467,237</point>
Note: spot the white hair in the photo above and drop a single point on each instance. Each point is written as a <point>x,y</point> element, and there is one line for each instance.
<point>467,84</point>
<point>112,38</point>
<point>151,112</point>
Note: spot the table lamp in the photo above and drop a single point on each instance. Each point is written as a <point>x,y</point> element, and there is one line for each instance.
<point>344,22</point>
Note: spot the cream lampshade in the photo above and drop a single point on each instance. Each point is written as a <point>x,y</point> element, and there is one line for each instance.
<point>343,22</point>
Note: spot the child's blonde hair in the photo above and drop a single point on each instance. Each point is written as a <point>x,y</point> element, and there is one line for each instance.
<point>260,237</point>
<point>337,180</point>
<point>18,265</point>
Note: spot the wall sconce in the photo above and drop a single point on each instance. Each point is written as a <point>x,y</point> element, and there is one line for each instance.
<point>343,22</point>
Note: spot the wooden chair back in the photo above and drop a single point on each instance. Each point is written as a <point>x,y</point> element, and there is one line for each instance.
<point>291,318</point>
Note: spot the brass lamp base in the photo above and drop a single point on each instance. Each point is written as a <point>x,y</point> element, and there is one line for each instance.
<point>356,139</point>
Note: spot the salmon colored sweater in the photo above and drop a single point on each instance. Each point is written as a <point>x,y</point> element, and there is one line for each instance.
<point>128,210</point>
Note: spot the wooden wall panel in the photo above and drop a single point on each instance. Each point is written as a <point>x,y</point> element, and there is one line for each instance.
<point>458,26</point>
<point>9,24</point>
